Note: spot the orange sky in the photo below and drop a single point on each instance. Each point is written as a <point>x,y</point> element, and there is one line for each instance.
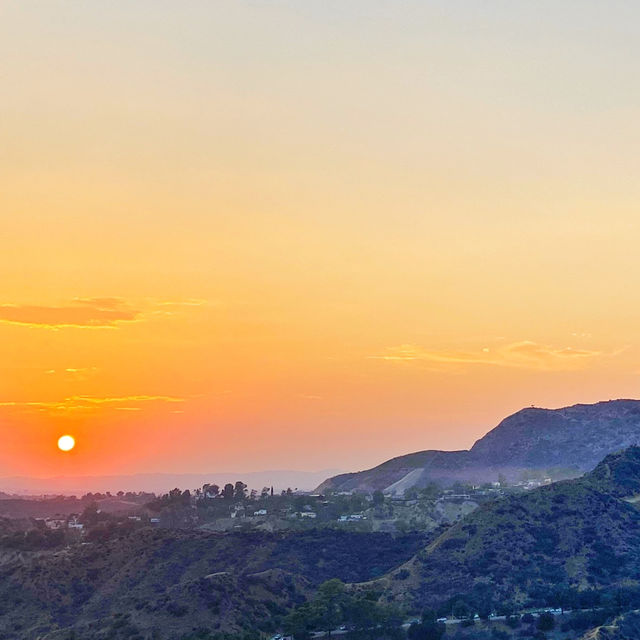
<point>247,235</point>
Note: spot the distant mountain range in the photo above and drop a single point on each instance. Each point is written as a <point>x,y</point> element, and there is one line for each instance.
<point>159,482</point>
<point>560,443</point>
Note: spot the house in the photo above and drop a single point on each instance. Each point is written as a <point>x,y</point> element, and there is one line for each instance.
<point>308,514</point>
<point>260,512</point>
<point>55,523</point>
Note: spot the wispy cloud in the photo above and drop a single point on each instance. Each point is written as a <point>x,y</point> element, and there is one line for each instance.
<point>89,313</point>
<point>188,302</point>
<point>93,313</point>
<point>91,403</point>
<point>524,354</point>
<point>73,373</point>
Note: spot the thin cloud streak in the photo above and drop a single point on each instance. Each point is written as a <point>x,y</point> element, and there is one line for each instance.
<point>92,403</point>
<point>84,315</point>
<point>91,313</point>
<point>524,354</point>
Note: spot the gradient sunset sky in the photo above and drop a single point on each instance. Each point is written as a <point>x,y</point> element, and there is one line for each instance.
<point>314,234</point>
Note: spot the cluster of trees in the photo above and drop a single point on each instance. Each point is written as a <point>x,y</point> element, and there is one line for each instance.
<point>334,606</point>
<point>483,601</point>
<point>427,629</point>
<point>175,498</point>
<point>230,491</point>
<point>101,526</point>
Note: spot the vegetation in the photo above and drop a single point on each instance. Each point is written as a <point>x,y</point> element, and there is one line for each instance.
<point>567,541</point>
<point>574,545</point>
<point>333,607</point>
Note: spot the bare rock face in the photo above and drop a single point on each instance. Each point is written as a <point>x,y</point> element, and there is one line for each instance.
<point>561,442</point>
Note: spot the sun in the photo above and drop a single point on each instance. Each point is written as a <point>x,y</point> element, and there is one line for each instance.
<point>66,443</point>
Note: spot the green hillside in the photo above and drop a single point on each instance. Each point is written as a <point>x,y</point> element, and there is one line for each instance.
<point>180,581</point>
<point>576,536</point>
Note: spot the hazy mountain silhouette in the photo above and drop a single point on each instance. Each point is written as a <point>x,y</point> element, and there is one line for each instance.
<point>561,442</point>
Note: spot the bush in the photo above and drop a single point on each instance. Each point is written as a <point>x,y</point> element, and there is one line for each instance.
<point>513,621</point>
<point>546,622</point>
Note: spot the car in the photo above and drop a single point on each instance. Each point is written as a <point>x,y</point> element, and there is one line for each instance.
<point>441,620</point>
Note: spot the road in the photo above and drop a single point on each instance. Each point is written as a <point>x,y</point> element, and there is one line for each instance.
<point>448,621</point>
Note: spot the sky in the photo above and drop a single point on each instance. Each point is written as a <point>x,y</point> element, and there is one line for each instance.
<point>302,235</point>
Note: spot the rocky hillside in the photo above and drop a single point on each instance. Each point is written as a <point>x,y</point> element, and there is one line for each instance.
<point>579,535</point>
<point>560,442</point>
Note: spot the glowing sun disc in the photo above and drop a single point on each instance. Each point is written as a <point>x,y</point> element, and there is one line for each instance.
<point>66,443</point>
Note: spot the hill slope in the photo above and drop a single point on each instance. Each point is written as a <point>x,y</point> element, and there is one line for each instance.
<point>176,582</point>
<point>577,534</point>
<point>570,440</point>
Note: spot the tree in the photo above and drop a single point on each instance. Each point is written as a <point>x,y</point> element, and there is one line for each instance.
<point>431,491</point>
<point>460,609</point>
<point>330,602</point>
<point>240,490</point>
<point>426,631</point>
<point>411,493</point>
<point>429,616</point>
<point>228,491</point>
<point>210,490</point>
<point>90,516</point>
<point>299,622</point>
<point>378,498</point>
<point>546,622</point>
<point>361,613</point>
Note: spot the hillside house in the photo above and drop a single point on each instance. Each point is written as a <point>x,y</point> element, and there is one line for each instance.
<point>55,523</point>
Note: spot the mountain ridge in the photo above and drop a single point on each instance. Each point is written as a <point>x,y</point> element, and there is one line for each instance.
<point>567,441</point>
